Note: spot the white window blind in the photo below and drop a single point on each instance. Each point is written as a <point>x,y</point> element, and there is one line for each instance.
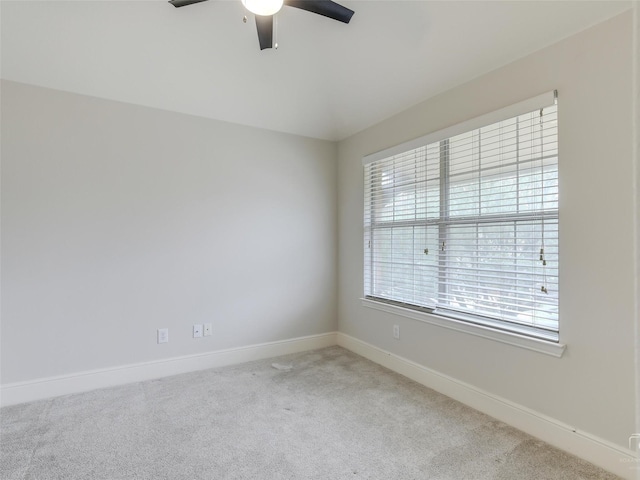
<point>465,224</point>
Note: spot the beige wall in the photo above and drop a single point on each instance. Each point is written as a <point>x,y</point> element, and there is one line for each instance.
<point>592,386</point>
<point>118,220</point>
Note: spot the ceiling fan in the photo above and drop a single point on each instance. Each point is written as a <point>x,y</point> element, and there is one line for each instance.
<point>265,10</point>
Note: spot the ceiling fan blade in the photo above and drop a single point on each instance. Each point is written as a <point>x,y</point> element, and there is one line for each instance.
<point>265,31</point>
<point>323,7</point>
<point>184,3</point>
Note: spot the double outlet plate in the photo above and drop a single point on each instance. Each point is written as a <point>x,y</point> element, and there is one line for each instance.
<point>202,330</point>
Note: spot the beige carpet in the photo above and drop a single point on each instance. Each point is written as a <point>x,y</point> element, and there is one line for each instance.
<point>332,415</point>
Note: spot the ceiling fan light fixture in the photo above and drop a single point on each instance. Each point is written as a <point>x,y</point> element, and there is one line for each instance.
<point>265,11</point>
<point>263,7</point>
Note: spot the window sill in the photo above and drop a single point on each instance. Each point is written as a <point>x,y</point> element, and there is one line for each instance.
<point>541,346</point>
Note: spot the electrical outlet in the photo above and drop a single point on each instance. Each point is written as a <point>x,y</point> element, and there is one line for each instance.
<point>208,327</point>
<point>163,335</point>
<point>396,332</point>
<point>197,331</point>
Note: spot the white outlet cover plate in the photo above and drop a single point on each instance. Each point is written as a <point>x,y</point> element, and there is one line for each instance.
<point>197,331</point>
<point>208,328</point>
<point>163,335</point>
<point>396,332</point>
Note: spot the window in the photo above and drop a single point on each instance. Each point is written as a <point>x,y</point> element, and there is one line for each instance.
<point>463,223</point>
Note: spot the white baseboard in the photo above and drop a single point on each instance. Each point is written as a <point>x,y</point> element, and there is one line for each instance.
<point>21,392</point>
<point>600,452</point>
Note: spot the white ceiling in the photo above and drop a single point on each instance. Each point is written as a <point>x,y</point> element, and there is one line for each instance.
<point>326,80</point>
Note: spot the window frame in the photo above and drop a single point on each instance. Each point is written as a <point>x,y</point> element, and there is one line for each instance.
<point>487,327</point>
